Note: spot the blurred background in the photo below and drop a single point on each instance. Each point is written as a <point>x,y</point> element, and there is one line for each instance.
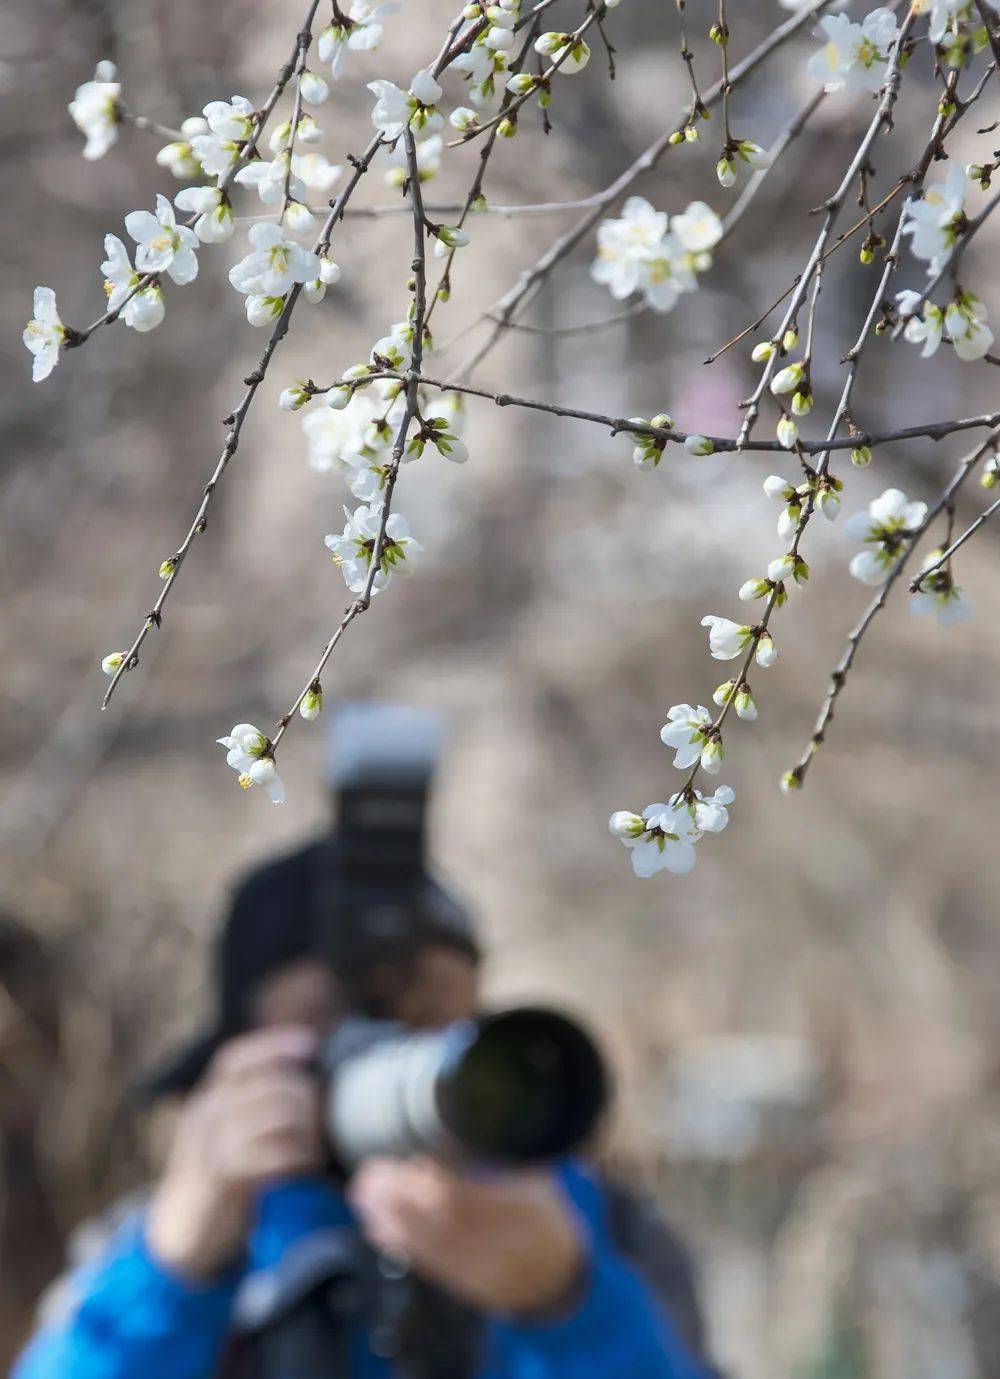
<point>807,1028</point>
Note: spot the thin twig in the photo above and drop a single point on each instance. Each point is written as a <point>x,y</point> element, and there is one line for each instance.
<point>838,677</point>
<point>970,531</point>
<point>787,136</point>
<point>235,422</point>
<point>832,207</point>
<point>530,281</point>
<point>950,265</point>
<point>75,338</point>
<point>934,430</point>
<point>412,378</point>
<point>510,109</point>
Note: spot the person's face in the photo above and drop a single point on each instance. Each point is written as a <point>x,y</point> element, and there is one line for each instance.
<point>439,986</point>
<point>303,992</point>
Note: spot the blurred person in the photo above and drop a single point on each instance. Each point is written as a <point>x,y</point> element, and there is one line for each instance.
<point>513,1275</point>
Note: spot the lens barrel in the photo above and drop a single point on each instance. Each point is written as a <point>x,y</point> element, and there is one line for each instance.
<point>520,1086</point>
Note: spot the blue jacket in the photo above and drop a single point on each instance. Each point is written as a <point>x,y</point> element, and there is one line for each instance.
<point>128,1318</point>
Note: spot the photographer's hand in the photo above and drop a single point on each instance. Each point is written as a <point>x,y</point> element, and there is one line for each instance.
<point>255,1116</point>
<point>508,1245</point>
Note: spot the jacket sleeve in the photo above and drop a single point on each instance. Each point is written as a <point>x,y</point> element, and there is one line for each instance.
<point>126,1316</point>
<point>617,1326</point>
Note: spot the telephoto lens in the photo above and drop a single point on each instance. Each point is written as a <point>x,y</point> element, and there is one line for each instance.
<point>521,1086</point>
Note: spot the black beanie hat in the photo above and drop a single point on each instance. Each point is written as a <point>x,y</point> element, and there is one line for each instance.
<point>306,905</point>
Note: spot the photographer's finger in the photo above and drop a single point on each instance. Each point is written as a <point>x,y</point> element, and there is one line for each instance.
<point>269,1150</point>
<point>267,1048</point>
<point>402,1211</point>
<point>266,1087</point>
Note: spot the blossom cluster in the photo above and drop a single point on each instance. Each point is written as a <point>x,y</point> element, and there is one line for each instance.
<point>647,251</point>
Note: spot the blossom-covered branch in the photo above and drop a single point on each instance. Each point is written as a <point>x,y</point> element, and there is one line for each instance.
<point>495,67</point>
<point>875,526</point>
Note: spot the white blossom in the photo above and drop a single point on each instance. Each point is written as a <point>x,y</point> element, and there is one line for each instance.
<point>744,702</point>
<point>637,253</point>
<point>938,593</point>
<point>112,661</point>
<point>163,245</point>
<point>307,131</point>
<point>96,110</point>
<point>935,222</point>
<point>335,436</point>
<point>499,37</point>
<point>661,839</point>
<point>885,526</point>
<point>214,223</point>
<point>624,824</point>
<point>231,119</point>
<point>711,814</point>
<point>965,318</point>
<point>782,568</point>
<point>295,396</point>
<point>463,118</point>
<point>725,171</point>
<point>449,237</point>
<point>312,703</point>
<point>268,178</point>
<point>698,229</point>
<point>787,431</point>
<point>689,731</point>
<point>699,445</point>
<point>855,57</point>
<point>298,218</point>
<point>745,150</point>
<point>230,125</point>
<point>482,66</point>
<point>787,378</point>
<point>263,309</point>
<point>828,496</point>
<point>275,264</point>
<point>765,652</point>
<point>572,54</point>
<point>216,156</point>
<point>314,89</point>
<point>315,171</point>
<point>249,753</point>
<point>439,434</point>
<point>44,334</point>
<point>726,639</point>
<point>329,273</point>
<point>179,155</point>
<point>142,310</point>
<point>362,33</point>
<point>945,15</point>
<point>759,158</point>
<point>428,154</point>
<point>648,450</point>
<point>791,497</point>
<point>923,327</point>
<point>354,548</point>
<point>395,109</point>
